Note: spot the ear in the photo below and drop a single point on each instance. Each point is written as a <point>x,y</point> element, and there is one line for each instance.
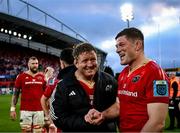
<point>28,64</point>
<point>138,45</point>
<point>61,64</point>
<point>76,62</point>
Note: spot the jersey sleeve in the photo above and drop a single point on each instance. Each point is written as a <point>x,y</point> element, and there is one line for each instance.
<point>157,88</point>
<point>48,91</point>
<point>18,82</point>
<point>50,87</point>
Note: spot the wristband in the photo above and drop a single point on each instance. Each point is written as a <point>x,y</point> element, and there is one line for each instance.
<point>13,109</point>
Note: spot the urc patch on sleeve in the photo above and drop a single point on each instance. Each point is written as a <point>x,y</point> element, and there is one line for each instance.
<point>160,88</point>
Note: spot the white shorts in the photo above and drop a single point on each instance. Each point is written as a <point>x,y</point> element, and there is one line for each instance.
<point>29,118</point>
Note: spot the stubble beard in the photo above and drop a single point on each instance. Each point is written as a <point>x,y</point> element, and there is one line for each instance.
<point>34,71</point>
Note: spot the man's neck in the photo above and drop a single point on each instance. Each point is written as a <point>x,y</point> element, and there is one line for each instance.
<point>87,80</point>
<point>31,73</point>
<point>139,62</point>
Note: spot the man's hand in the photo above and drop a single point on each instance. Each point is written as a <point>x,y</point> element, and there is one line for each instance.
<point>13,115</point>
<point>49,71</point>
<point>94,117</point>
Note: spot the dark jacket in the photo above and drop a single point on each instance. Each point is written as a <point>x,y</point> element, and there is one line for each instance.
<point>70,103</point>
<point>62,73</point>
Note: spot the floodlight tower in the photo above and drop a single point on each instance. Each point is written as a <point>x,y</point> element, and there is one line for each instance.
<point>127,13</point>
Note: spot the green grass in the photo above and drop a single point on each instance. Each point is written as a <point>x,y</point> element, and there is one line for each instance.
<point>167,124</point>
<point>7,125</point>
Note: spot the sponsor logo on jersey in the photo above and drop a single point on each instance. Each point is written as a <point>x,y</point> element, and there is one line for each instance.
<point>91,97</point>
<point>72,93</point>
<point>40,78</point>
<point>108,88</point>
<point>160,88</point>
<point>128,93</point>
<point>51,81</point>
<point>135,79</point>
<point>33,82</point>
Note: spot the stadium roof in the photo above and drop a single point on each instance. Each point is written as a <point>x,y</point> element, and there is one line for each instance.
<point>19,23</point>
<point>39,33</point>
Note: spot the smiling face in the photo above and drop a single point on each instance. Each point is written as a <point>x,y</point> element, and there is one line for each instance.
<point>86,64</point>
<point>126,49</point>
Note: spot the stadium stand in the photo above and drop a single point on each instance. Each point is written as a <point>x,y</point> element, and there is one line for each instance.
<point>13,60</point>
<point>22,36</point>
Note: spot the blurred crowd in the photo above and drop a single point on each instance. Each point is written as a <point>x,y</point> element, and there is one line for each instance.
<point>13,60</point>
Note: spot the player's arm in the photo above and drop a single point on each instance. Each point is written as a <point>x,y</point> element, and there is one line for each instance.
<point>95,117</point>
<point>14,101</point>
<point>112,111</point>
<point>157,114</point>
<point>44,104</point>
<point>49,71</point>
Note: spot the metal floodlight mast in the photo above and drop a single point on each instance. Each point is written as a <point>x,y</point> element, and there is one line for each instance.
<point>127,13</point>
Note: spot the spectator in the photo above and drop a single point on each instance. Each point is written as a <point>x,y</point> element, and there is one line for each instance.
<point>174,101</point>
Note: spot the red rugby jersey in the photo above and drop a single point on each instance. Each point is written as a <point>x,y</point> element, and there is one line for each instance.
<point>147,84</point>
<point>31,89</point>
<point>89,91</point>
<point>52,82</point>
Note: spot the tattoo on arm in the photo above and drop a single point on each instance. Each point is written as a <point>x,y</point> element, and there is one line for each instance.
<point>15,97</point>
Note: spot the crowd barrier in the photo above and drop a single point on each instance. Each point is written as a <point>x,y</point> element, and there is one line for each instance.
<point>6,84</point>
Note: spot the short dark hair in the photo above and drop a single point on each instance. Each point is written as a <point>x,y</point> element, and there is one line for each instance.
<point>131,33</point>
<point>32,58</point>
<point>66,55</point>
<point>109,70</point>
<point>81,48</point>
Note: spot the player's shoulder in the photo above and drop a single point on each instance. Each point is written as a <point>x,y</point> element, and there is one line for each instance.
<point>21,74</point>
<point>152,66</point>
<point>40,73</point>
<point>153,69</point>
<point>52,81</point>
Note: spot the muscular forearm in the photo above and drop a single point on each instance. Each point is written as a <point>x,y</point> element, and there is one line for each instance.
<point>44,104</point>
<point>15,97</point>
<point>152,126</point>
<point>14,100</point>
<point>112,111</point>
<point>157,115</point>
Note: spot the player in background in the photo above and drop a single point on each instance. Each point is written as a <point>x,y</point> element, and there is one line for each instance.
<point>31,84</point>
<point>51,83</point>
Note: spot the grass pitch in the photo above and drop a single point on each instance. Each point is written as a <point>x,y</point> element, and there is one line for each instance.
<point>6,124</point>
